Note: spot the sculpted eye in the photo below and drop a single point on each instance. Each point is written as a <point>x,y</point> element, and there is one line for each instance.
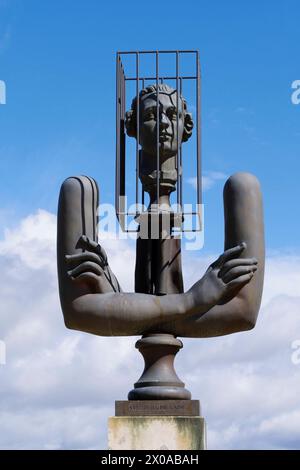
<point>172,113</point>
<point>149,116</point>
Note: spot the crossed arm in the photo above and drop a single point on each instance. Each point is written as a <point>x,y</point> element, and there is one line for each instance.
<point>222,301</point>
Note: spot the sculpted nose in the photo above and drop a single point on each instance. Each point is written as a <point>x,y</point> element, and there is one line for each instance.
<point>163,121</point>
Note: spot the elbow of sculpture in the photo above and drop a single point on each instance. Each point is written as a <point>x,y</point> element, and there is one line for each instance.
<point>74,320</point>
<point>246,316</point>
<point>71,313</point>
<point>239,324</point>
<point>248,324</point>
<point>69,323</point>
<point>80,315</point>
<point>70,317</point>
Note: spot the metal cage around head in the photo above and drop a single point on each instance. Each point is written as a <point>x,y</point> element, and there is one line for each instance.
<point>129,73</point>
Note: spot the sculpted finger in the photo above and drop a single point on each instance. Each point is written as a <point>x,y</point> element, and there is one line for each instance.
<point>240,281</point>
<point>237,272</point>
<point>103,255</point>
<point>229,254</point>
<point>237,262</point>
<point>88,244</point>
<point>87,266</point>
<point>80,257</point>
<point>87,277</point>
<point>233,252</point>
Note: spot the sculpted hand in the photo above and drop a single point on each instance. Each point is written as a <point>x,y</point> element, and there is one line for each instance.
<point>91,267</point>
<point>225,277</point>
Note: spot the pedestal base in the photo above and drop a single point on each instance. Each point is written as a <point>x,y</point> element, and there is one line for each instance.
<point>156,433</point>
<point>157,408</point>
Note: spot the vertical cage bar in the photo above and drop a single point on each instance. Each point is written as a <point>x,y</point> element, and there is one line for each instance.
<point>180,157</point>
<point>122,143</point>
<point>198,123</point>
<point>137,165</point>
<point>143,192</point>
<point>117,135</point>
<point>177,124</point>
<point>157,129</point>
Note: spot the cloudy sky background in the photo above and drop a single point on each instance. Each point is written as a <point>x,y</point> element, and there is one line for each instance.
<point>58,387</point>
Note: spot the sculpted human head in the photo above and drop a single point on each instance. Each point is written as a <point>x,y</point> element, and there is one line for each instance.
<point>167,120</point>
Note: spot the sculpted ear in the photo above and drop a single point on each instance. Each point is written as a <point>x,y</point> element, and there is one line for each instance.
<point>188,127</point>
<point>130,123</point>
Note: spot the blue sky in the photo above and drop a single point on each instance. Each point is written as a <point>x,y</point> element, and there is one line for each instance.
<point>58,62</point>
<point>57,59</point>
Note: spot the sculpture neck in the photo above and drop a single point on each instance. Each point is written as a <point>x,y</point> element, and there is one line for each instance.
<point>162,204</point>
<point>167,176</point>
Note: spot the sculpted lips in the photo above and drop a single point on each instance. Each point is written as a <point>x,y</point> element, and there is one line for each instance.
<point>164,136</point>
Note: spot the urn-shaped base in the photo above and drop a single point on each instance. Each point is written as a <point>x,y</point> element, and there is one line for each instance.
<point>159,380</point>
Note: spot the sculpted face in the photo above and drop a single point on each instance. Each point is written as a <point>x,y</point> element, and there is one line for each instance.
<point>167,124</point>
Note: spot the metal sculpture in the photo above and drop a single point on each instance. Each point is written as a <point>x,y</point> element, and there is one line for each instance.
<point>225,300</point>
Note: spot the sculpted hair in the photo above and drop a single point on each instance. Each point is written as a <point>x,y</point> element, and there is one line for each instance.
<point>130,117</point>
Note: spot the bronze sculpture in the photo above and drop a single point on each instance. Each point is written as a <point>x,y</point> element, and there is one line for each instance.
<point>225,300</point>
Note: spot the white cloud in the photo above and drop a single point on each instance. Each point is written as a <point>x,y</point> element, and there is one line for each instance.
<point>58,387</point>
<point>209,179</point>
